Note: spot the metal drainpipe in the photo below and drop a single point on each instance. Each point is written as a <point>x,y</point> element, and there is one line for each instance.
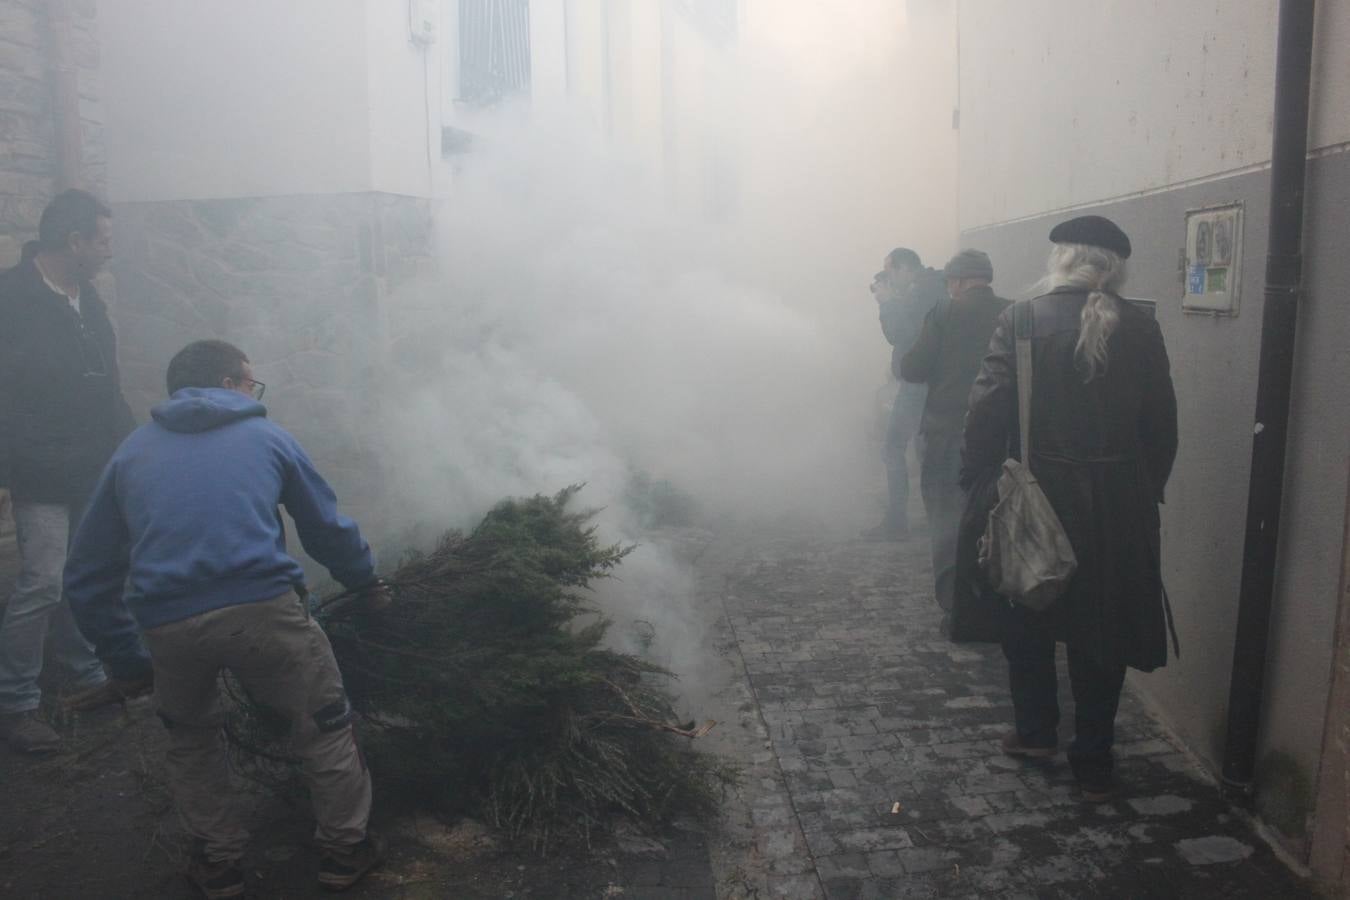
<point>1284,274</point>
<point>65,96</point>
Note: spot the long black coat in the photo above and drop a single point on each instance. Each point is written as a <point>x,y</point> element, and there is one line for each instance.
<point>1102,452</point>
<point>62,412</point>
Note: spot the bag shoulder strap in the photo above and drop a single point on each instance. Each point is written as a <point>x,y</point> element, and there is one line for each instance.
<point>1023,329</point>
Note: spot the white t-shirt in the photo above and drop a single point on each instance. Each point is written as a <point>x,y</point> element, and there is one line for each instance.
<point>74,301</point>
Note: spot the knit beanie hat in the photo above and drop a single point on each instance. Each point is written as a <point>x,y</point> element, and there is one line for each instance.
<point>970,264</point>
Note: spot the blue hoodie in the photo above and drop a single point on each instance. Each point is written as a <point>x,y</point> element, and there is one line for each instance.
<point>185,515</point>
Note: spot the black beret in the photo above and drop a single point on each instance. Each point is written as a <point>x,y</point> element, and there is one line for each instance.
<point>1095,231</point>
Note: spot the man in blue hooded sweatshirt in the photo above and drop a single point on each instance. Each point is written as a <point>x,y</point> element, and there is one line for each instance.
<point>186,517</point>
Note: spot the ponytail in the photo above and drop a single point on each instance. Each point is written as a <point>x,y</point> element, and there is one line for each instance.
<point>1102,272</point>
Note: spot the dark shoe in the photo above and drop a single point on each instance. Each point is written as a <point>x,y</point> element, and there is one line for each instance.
<point>26,733</point>
<point>1013,746</point>
<point>1098,789</point>
<point>339,870</point>
<point>884,532</point>
<point>216,880</point>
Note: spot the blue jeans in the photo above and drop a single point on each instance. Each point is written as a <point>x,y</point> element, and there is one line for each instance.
<point>35,607</point>
<point>901,431</point>
<point>943,502</point>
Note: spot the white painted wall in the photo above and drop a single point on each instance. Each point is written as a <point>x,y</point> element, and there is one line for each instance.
<point>1124,96</point>
<point>245,98</point>
<point>254,98</point>
<point>404,82</point>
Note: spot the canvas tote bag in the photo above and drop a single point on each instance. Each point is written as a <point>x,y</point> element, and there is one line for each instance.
<point>1024,552</point>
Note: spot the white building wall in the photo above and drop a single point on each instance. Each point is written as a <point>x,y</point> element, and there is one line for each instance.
<point>404,82</point>
<point>235,99</point>
<point>1180,91</point>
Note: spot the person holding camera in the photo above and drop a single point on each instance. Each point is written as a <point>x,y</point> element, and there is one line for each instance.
<point>905,290</point>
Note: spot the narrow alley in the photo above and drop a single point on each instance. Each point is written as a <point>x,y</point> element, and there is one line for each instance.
<point>885,778</point>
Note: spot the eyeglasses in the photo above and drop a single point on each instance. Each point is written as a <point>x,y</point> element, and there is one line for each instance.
<point>255,388</point>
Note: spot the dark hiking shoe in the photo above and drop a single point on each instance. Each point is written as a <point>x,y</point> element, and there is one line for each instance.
<point>1012,745</point>
<point>884,532</point>
<point>340,869</point>
<point>216,880</point>
<point>26,733</point>
<point>1099,789</point>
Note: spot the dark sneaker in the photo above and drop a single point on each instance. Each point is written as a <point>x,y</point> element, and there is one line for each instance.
<point>340,869</point>
<point>884,532</point>
<point>216,880</point>
<point>26,733</point>
<point>1099,789</point>
<point>1012,745</point>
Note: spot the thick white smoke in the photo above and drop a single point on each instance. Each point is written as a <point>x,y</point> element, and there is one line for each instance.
<point>584,328</point>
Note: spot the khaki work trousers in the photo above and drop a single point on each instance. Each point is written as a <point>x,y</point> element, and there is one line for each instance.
<point>283,659</point>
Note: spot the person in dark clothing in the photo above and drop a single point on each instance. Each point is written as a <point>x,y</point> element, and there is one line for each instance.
<point>946,357</point>
<point>1104,429</point>
<point>905,290</point>
<point>61,415</point>
<point>183,548</point>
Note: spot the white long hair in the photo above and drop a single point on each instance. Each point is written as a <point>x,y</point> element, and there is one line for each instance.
<point>1102,273</point>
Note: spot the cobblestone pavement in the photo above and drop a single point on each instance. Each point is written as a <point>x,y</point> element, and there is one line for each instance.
<point>881,775</point>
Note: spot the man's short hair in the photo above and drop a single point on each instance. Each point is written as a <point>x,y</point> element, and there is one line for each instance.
<point>903,257</point>
<point>205,364</point>
<point>70,212</point>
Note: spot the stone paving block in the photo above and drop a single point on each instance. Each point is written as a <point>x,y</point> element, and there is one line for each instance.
<point>1205,851</point>
<point>795,887</point>
<point>864,840</point>
<point>842,865</point>
<point>1008,822</point>
<point>1164,805</point>
<point>885,863</point>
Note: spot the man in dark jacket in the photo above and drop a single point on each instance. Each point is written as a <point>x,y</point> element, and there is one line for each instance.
<point>61,415</point>
<point>905,290</point>
<point>947,357</point>
<point>185,516</point>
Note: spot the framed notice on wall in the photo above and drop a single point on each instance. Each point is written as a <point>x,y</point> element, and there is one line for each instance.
<point>1213,260</point>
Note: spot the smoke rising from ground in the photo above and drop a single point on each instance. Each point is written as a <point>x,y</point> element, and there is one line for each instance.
<point>585,328</point>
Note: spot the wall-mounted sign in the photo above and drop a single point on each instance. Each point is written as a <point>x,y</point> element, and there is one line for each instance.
<point>1213,260</point>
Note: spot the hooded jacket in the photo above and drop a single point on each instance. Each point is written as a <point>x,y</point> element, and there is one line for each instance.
<point>61,407</point>
<point>186,514</point>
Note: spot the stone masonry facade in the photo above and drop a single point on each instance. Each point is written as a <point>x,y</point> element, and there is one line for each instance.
<point>299,283</point>
<point>28,152</point>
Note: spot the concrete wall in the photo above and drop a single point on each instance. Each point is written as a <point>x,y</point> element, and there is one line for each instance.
<point>1170,111</point>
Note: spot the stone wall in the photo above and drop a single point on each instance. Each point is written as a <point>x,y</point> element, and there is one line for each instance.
<point>28,154</point>
<point>298,283</point>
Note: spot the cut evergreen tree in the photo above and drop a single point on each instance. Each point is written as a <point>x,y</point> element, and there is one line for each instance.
<point>486,687</point>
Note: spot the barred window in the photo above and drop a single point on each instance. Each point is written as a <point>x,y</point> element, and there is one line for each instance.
<point>494,50</point>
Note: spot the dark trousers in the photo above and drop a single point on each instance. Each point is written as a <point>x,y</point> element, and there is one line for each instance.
<point>943,503</point>
<point>1035,689</point>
